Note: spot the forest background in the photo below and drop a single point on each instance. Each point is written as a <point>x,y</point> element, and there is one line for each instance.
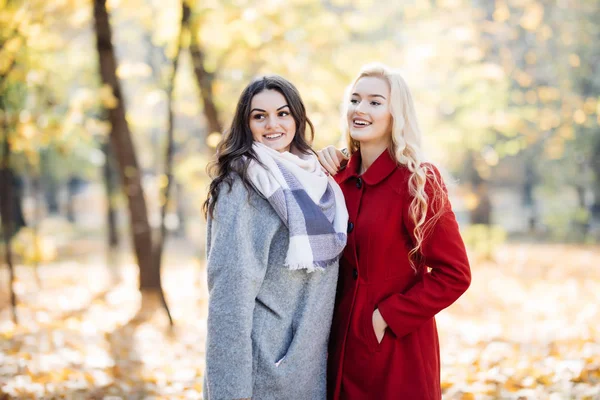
<point>110,111</point>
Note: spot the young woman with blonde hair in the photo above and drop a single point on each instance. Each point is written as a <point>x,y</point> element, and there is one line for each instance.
<point>405,260</point>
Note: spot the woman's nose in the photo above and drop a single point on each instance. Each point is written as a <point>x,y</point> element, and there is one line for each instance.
<point>270,123</point>
<point>360,108</point>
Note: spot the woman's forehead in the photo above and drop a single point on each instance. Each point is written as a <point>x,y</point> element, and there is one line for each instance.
<point>371,85</point>
<point>268,98</point>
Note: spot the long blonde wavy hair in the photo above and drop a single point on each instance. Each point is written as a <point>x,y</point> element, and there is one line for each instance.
<point>406,149</point>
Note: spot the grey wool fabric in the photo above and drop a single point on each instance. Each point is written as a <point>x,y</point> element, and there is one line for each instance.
<point>268,326</point>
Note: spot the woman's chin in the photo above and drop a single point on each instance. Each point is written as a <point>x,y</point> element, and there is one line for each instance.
<point>280,147</point>
<point>358,136</point>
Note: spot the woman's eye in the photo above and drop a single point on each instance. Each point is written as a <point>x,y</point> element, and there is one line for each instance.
<point>258,116</point>
<point>354,101</point>
<point>284,114</point>
<point>375,103</point>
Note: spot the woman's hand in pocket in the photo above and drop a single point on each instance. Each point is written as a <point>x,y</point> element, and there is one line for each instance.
<point>379,325</point>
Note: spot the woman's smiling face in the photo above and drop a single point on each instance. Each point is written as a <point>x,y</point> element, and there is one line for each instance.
<point>369,116</point>
<point>271,121</point>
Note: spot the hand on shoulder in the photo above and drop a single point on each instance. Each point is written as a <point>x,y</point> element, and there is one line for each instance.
<point>331,159</point>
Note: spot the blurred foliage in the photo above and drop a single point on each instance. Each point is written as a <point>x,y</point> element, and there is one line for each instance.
<point>52,239</point>
<point>43,89</point>
<point>32,249</point>
<point>511,86</point>
<point>514,79</point>
<point>483,241</point>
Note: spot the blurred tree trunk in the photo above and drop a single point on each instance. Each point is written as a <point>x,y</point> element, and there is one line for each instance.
<point>108,170</point>
<point>581,221</point>
<point>6,213</point>
<point>482,210</point>
<point>594,88</point>
<point>589,87</point>
<point>122,144</point>
<point>531,180</point>
<point>204,78</point>
<point>17,203</point>
<point>595,164</point>
<point>166,191</point>
<point>181,210</point>
<point>70,200</point>
<point>35,221</point>
<point>49,185</point>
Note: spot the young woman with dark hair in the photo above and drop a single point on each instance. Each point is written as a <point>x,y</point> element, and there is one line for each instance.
<point>276,229</point>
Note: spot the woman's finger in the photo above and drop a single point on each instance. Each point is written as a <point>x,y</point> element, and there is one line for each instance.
<point>335,156</point>
<point>330,161</point>
<point>326,163</point>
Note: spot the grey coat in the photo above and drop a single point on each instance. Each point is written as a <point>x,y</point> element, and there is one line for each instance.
<point>268,326</point>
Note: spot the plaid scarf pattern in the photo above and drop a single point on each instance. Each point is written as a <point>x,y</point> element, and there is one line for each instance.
<point>308,201</point>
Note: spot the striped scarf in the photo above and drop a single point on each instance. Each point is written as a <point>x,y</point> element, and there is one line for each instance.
<point>308,201</point>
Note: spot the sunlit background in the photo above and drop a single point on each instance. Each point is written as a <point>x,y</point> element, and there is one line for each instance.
<point>508,99</point>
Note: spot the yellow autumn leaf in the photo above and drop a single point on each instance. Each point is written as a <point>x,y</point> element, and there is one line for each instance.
<point>162,181</point>
<point>502,12</point>
<point>574,60</point>
<point>579,117</point>
<point>107,97</point>
<point>590,105</point>
<point>213,139</point>
<point>533,16</point>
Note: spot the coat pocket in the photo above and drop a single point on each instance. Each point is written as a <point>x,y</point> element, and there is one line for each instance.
<point>368,329</point>
<point>273,338</point>
<point>287,348</point>
<point>278,363</point>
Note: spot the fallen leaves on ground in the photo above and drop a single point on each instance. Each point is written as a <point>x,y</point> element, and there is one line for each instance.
<point>88,334</point>
<point>528,328</point>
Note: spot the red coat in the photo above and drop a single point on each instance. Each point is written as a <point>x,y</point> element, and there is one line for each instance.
<point>375,273</point>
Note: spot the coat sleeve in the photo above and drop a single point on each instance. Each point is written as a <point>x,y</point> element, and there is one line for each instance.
<point>443,251</point>
<point>237,258</point>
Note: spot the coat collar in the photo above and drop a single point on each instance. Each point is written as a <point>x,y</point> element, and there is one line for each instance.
<point>383,166</point>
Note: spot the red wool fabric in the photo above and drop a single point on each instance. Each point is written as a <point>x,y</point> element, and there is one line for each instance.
<point>375,273</point>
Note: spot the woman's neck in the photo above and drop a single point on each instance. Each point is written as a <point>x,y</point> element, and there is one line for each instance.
<point>369,152</point>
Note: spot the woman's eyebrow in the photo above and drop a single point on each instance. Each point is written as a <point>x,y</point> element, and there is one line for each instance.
<point>261,110</point>
<point>370,95</point>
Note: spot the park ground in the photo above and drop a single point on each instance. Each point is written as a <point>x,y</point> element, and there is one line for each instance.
<point>528,328</point>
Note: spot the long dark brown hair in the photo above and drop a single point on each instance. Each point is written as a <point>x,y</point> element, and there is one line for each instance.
<point>235,152</point>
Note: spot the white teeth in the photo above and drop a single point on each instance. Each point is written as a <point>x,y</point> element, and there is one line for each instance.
<point>360,122</point>
<point>274,135</point>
